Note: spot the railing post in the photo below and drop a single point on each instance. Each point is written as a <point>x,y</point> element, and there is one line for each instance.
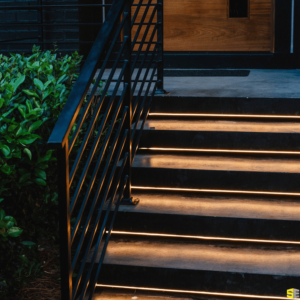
<point>64,222</point>
<point>160,52</point>
<point>128,200</point>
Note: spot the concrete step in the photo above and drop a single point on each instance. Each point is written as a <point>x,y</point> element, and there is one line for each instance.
<point>128,293</point>
<point>243,217</point>
<point>220,134</point>
<point>133,294</point>
<point>223,267</point>
<point>226,105</point>
<point>217,172</point>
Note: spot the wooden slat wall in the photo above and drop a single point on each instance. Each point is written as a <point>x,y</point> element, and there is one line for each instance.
<point>203,25</point>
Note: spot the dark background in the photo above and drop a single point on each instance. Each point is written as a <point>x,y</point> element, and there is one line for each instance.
<point>66,28</point>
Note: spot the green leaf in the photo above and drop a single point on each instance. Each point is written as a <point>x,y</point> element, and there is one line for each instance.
<point>46,157</point>
<point>40,173</point>
<point>24,178</point>
<point>40,181</point>
<point>22,111</point>
<point>20,130</point>
<point>1,199</point>
<point>2,101</point>
<point>14,231</point>
<point>61,79</point>
<point>3,224</point>
<point>6,169</point>
<point>28,243</point>
<point>43,166</point>
<point>11,219</point>
<point>36,103</point>
<point>39,84</point>
<point>17,153</point>
<point>36,65</point>
<point>18,82</point>
<point>26,140</point>
<point>29,105</point>
<point>33,56</point>
<point>8,112</point>
<point>48,92</point>
<point>5,149</point>
<point>35,112</point>
<point>28,152</point>
<point>35,126</point>
<point>12,127</point>
<point>47,83</point>
<point>31,93</point>
<point>2,214</point>
<point>10,224</point>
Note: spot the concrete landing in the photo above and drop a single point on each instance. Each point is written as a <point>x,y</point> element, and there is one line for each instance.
<point>260,83</point>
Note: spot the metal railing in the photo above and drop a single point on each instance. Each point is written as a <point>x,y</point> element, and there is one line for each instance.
<point>97,136</point>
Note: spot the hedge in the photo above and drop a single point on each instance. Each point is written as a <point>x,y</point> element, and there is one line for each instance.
<point>33,91</point>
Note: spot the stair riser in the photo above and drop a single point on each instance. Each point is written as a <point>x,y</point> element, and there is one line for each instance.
<point>207,226</point>
<point>259,106</point>
<point>221,180</point>
<point>213,281</point>
<point>221,140</point>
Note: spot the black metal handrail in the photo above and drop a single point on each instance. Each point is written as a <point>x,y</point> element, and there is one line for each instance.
<point>97,136</point>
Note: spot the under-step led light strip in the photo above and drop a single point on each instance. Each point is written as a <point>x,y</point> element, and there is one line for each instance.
<point>213,191</point>
<point>219,150</point>
<point>203,237</point>
<point>224,115</point>
<point>188,292</point>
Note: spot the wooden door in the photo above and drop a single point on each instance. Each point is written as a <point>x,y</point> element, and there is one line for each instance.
<point>205,25</point>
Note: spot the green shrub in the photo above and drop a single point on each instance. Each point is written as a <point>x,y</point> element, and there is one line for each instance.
<point>7,226</point>
<point>33,91</point>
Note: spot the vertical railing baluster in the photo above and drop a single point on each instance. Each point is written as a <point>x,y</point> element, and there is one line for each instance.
<point>64,222</point>
<point>41,28</point>
<point>128,200</point>
<point>160,52</point>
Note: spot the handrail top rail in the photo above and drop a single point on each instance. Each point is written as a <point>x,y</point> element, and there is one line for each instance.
<point>71,109</point>
<point>43,6</point>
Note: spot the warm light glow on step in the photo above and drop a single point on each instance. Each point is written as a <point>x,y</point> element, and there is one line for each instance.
<point>224,115</point>
<point>188,292</point>
<point>203,237</point>
<point>219,150</point>
<point>213,191</point>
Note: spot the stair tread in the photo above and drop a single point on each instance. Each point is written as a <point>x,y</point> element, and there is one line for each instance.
<point>214,206</point>
<point>206,257</point>
<point>217,163</point>
<point>213,125</point>
<point>135,294</point>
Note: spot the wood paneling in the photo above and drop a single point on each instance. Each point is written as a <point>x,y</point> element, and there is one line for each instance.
<point>203,25</point>
<point>148,15</point>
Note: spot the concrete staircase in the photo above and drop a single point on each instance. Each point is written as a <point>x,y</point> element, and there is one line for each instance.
<point>219,184</point>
